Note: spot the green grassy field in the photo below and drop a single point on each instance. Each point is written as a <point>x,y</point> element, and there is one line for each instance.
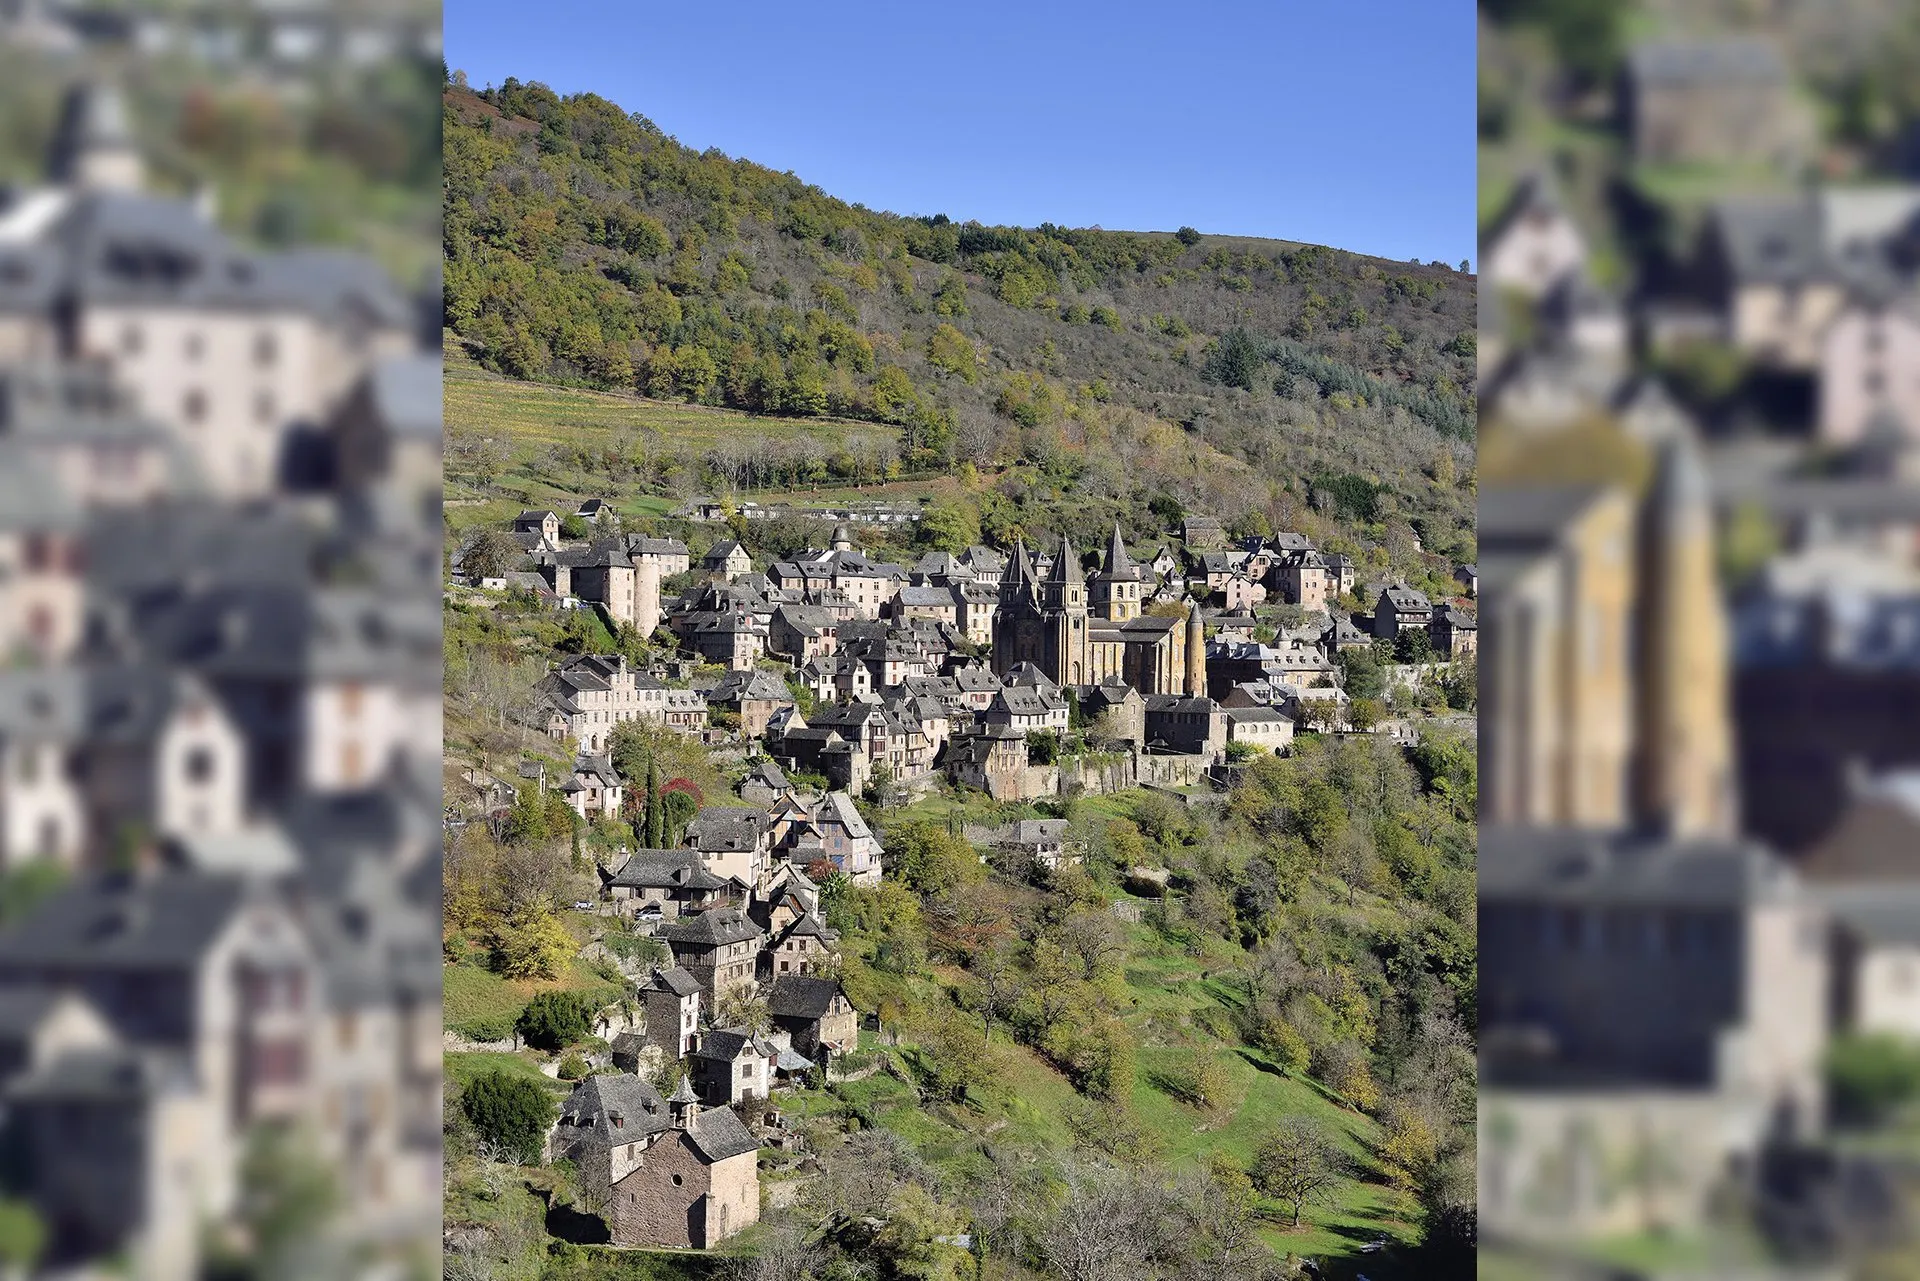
<point>476,997</point>
<point>1027,1104</point>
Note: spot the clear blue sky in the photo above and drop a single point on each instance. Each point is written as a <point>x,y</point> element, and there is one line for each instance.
<point>1342,122</point>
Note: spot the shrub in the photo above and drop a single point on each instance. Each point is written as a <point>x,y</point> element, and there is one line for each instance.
<point>1872,1076</point>
<point>573,1068</point>
<point>555,1019</point>
<point>510,1111</point>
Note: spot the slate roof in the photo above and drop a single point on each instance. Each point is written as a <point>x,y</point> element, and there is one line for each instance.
<point>718,1134</point>
<point>165,920</point>
<point>1726,60</point>
<point>674,980</point>
<point>666,870</point>
<point>597,1101</point>
<point>726,828</point>
<point>715,928</point>
<point>799,996</point>
<point>407,393</point>
<point>1578,867</point>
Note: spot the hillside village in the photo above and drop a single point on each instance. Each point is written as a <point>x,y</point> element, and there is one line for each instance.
<point>219,713</point>
<point>989,669</point>
<point>1699,453</point>
<point>832,684</point>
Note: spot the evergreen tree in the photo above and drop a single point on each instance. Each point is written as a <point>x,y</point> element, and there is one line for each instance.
<point>656,810</point>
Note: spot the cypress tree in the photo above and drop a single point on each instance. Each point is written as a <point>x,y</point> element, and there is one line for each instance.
<point>656,812</point>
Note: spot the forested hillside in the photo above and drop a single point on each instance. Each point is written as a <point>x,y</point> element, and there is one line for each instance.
<point>1268,382</point>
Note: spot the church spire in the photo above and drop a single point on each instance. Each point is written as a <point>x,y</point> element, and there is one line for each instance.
<point>1066,566</point>
<point>1118,562</point>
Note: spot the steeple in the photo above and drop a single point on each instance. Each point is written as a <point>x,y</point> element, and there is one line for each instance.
<point>685,1104</point>
<point>1119,564</point>
<point>1066,566</point>
<point>1017,579</point>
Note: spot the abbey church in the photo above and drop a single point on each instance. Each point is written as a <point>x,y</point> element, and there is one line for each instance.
<point>1082,636</point>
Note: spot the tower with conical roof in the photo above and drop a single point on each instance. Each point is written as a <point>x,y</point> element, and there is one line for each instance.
<point>1196,653</point>
<point>94,147</point>
<point>1117,587</point>
<point>842,540</point>
<point>1683,782</point>
<point>685,1104</point>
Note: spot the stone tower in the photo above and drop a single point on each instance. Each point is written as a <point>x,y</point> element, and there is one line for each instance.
<point>1116,590</point>
<point>1196,653</point>
<point>1683,751</point>
<point>94,148</point>
<point>1063,602</point>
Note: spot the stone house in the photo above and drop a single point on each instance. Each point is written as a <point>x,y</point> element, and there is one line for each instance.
<point>1199,532</point>
<point>1303,580</point>
<point>1455,633</point>
<point>675,882</point>
<point>1876,955</point>
<point>1766,266</point>
<point>720,948</point>
<point>1869,373</point>
<point>992,759</point>
<point>1401,608</point>
<point>1712,101</point>
<point>669,555</point>
<point>593,790</point>
<point>665,1172</point>
<point>1043,840</point>
<point>833,825</point>
<point>754,696</point>
<point>388,429</point>
<point>1028,709</point>
<point>798,940</point>
<point>814,1013</point>
<point>939,604</point>
<point>974,611</point>
<point>1193,726</point>
<point>41,561</point>
<point>727,560</point>
<point>802,633</point>
<point>545,525</point>
<point>729,1066</point>
<point>1261,727</point>
<point>586,696</point>
<point>1240,591</point>
<point>729,637</point>
<point>1533,244</point>
<point>732,841</point>
<point>214,972</point>
<point>1116,708</point>
<point>671,999</point>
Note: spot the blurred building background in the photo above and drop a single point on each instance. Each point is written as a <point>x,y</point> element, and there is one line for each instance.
<point>220,806</point>
<point>1700,586</point>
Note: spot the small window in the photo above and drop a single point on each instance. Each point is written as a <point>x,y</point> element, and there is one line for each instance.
<point>132,340</point>
<point>193,407</point>
<point>263,408</point>
<point>266,350</point>
<point>678,1180</point>
<point>196,346</point>
<point>200,765</point>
